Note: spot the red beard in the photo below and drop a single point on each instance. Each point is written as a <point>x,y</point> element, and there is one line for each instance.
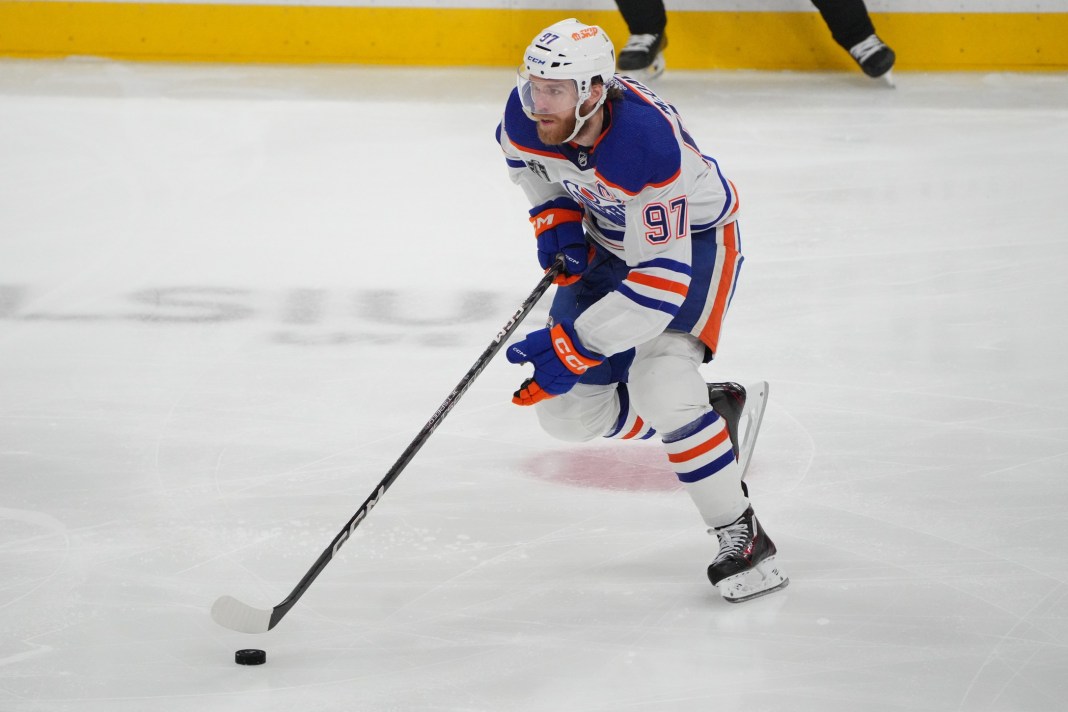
<point>555,134</point>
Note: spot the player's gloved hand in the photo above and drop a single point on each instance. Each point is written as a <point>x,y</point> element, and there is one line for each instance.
<point>559,360</point>
<point>558,227</point>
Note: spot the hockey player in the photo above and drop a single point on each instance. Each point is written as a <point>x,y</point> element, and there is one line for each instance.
<point>647,227</point>
<point>848,20</point>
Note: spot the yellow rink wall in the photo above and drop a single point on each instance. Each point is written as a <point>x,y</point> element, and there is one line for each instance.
<point>454,36</point>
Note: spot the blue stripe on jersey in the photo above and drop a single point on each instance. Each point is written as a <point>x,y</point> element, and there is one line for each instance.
<point>688,139</point>
<point>737,271</point>
<point>726,191</point>
<point>707,470</point>
<point>647,302</point>
<point>514,163</point>
<point>664,263</point>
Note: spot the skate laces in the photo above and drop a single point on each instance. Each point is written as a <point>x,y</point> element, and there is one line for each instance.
<point>640,43</point>
<point>733,538</point>
<point>863,50</point>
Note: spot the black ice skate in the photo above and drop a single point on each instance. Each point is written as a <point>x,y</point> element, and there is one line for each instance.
<point>874,58</point>
<point>745,567</point>
<point>742,410</point>
<point>643,56</point>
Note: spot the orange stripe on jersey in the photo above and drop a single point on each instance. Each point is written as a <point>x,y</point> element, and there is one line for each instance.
<point>547,154</point>
<point>701,449</point>
<point>638,425</point>
<point>609,183</point>
<point>660,283</point>
<point>710,334</point>
<point>737,200</point>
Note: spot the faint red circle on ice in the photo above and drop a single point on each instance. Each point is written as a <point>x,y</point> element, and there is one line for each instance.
<point>624,466</point>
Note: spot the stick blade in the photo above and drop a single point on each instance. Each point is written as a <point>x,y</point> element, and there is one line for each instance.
<point>231,613</point>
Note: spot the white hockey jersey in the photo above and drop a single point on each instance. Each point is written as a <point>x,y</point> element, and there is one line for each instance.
<point>646,189</point>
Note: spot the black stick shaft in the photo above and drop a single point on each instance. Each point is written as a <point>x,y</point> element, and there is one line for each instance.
<point>496,345</point>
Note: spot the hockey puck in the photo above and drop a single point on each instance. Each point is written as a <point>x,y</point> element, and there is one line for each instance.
<point>250,656</point>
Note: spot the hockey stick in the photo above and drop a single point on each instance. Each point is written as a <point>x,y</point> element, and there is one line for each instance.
<point>236,615</point>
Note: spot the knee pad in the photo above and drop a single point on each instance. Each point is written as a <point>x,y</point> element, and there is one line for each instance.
<point>583,413</point>
<point>666,387</point>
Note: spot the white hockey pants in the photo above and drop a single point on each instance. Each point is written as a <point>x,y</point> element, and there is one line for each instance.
<point>667,390</point>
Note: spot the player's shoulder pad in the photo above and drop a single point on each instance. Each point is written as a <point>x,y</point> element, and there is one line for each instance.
<point>641,148</point>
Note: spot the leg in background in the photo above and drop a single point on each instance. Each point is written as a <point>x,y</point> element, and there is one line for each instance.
<point>852,28</point>
<point>643,54</point>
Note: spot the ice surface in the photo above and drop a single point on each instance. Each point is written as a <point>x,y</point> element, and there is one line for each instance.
<point>231,296</point>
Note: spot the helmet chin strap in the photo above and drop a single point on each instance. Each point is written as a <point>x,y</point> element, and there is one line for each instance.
<point>580,120</point>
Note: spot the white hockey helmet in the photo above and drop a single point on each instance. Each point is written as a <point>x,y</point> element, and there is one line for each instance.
<point>571,50</point>
<point>568,50</point>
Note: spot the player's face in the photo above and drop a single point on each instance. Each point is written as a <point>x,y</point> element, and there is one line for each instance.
<point>553,129</point>
<point>552,96</point>
<point>551,104</point>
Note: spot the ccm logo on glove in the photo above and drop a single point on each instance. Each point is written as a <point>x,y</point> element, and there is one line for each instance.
<point>572,360</point>
<point>559,360</point>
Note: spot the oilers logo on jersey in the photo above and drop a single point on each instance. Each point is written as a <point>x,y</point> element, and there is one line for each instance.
<point>603,202</point>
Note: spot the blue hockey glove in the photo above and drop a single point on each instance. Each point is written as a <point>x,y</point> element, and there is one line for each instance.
<point>559,360</point>
<point>558,227</point>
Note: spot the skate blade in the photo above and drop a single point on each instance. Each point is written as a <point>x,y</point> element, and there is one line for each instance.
<point>766,577</point>
<point>756,401</point>
<point>889,78</point>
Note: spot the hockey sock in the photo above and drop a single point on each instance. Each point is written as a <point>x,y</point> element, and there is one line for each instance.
<point>629,425</point>
<point>700,453</point>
